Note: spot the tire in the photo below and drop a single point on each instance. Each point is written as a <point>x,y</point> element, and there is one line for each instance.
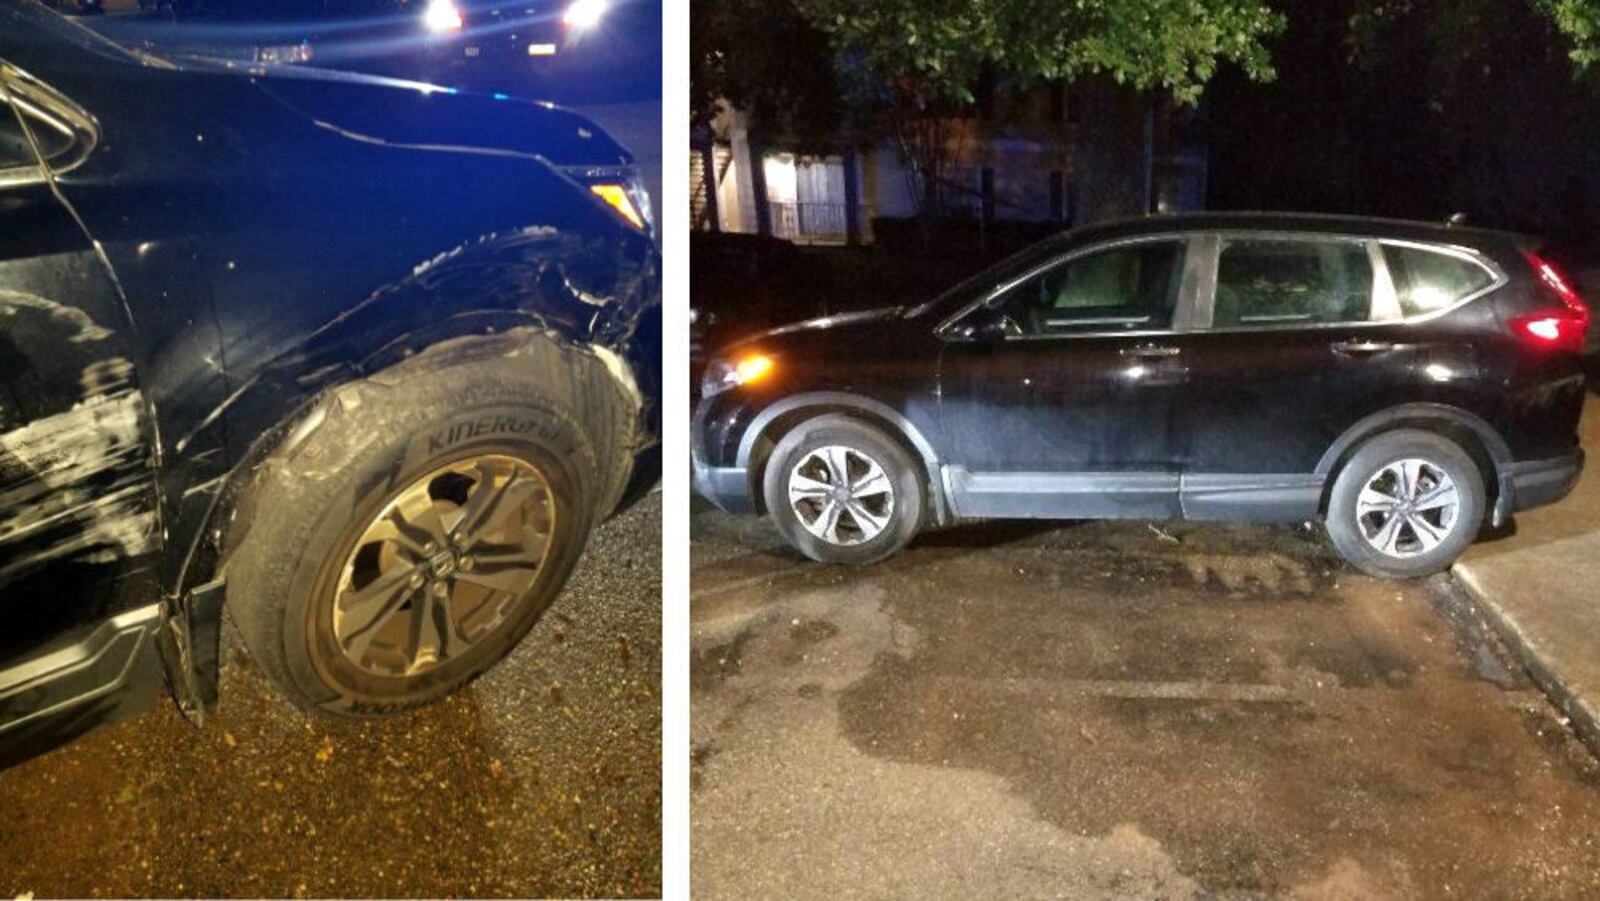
<point>338,511</point>
<point>1379,463</point>
<point>901,508</point>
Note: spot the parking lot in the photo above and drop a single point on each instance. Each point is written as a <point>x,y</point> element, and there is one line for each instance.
<point>541,779</point>
<point>1115,710</point>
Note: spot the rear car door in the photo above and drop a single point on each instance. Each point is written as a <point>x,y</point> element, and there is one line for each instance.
<point>1301,336</point>
<point>1056,389</point>
<point>79,604</point>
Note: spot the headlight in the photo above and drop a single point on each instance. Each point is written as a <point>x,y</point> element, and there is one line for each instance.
<point>621,191</point>
<point>583,14</point>
<point>722,375</point>
<point>441,15</point>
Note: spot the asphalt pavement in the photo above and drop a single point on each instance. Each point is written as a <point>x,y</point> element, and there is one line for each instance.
<point>1128,710</point>
<point>543,778</point>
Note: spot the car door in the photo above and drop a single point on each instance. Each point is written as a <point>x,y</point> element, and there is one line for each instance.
<point>1056,387</point>
<point>1300,337</point>
<point>78,525</point>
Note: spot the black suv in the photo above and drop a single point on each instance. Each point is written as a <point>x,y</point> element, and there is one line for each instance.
<point>366,361</point>
<point>1405,382</point>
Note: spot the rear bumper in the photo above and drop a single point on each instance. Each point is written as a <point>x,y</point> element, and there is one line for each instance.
<point>1535,483</point>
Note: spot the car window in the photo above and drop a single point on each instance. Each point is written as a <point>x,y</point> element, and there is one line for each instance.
<point>1133,288</point>
<point>1263,282</point>
<point>1428,280</point>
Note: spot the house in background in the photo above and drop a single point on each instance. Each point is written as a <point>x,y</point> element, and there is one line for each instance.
<point>1010,162</point>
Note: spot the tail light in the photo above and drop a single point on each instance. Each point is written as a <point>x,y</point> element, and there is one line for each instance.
<point>1558,327</point>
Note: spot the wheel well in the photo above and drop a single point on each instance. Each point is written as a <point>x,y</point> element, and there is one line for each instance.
<point>1466,437</point>
<point>228,521</point>
<point>787,421</point>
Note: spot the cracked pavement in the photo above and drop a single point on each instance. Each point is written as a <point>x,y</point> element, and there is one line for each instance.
<point>1114,710</point>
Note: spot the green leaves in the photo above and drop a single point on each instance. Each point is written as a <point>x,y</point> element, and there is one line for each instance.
<point>940,48</point>
<point>1579,21</point>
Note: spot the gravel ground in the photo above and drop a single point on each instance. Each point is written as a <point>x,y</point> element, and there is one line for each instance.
<point>1114,710</point>
<point>541,779</point>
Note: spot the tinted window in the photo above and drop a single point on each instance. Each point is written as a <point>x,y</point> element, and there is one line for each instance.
<point>1425,280</point>
<point>1276,282</point>
<point>1132,288</point>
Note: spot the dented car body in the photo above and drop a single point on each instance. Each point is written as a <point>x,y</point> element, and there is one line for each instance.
<point>190,259</point>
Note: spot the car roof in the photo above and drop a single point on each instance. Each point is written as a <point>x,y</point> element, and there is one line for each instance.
<point>1316,223</point>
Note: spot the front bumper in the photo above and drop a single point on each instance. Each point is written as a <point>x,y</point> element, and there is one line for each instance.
<point>1535,483</point>
<point>726,486</point>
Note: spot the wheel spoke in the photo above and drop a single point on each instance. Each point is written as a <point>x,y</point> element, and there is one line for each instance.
<point>1427,533</point>
<point>427,642</point>
<point>485,503</point>
<point>829,521</point>
<point>358,641</point>
<point>1388,535</point>
<point>806,488</point>
<point>483,498</point>
<point>508,568</point>
<point>838,461</point>
<point>417,516</point>
<point>386,530</point>
<point>1411,478</point>
<point>1441,495</point>
<point>868,522</point>
<point>873,483</point>
<point>363,608</point>
<point>1371,500</point>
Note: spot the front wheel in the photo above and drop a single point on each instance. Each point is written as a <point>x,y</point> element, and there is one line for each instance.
<point>1406,505</point>
<point>842,491</point>
<point>424,525</point>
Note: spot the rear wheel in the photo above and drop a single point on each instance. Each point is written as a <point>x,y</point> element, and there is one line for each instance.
<point>1407,504</point>
<point>842,491</point>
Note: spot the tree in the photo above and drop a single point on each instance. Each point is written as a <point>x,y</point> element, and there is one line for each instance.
<point>914,65</point>
<point>920,61</point>
<point>763,57</point>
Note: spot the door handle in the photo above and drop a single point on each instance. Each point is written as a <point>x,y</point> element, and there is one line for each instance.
<point>1146,351</point>
<point>1361,348</point>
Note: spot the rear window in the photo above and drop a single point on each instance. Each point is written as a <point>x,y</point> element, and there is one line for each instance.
<point>1429,280</point>
<point>1264,282</point>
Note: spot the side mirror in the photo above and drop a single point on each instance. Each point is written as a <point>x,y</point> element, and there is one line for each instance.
<point>984,326</point>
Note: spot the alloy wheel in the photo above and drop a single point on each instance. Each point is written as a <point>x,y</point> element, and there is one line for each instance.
<point>443,564</point>
<point>1408,508</point>
<point>841,495</point>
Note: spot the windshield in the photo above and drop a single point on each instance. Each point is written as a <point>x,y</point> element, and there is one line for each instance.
<point>967,290</point>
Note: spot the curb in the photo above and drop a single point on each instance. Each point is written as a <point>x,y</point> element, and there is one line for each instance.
<point>1583,713</point>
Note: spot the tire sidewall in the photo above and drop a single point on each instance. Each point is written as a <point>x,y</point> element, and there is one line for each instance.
<point>446,429</point>
<point>1379,452</point>
<point>909,501</point>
